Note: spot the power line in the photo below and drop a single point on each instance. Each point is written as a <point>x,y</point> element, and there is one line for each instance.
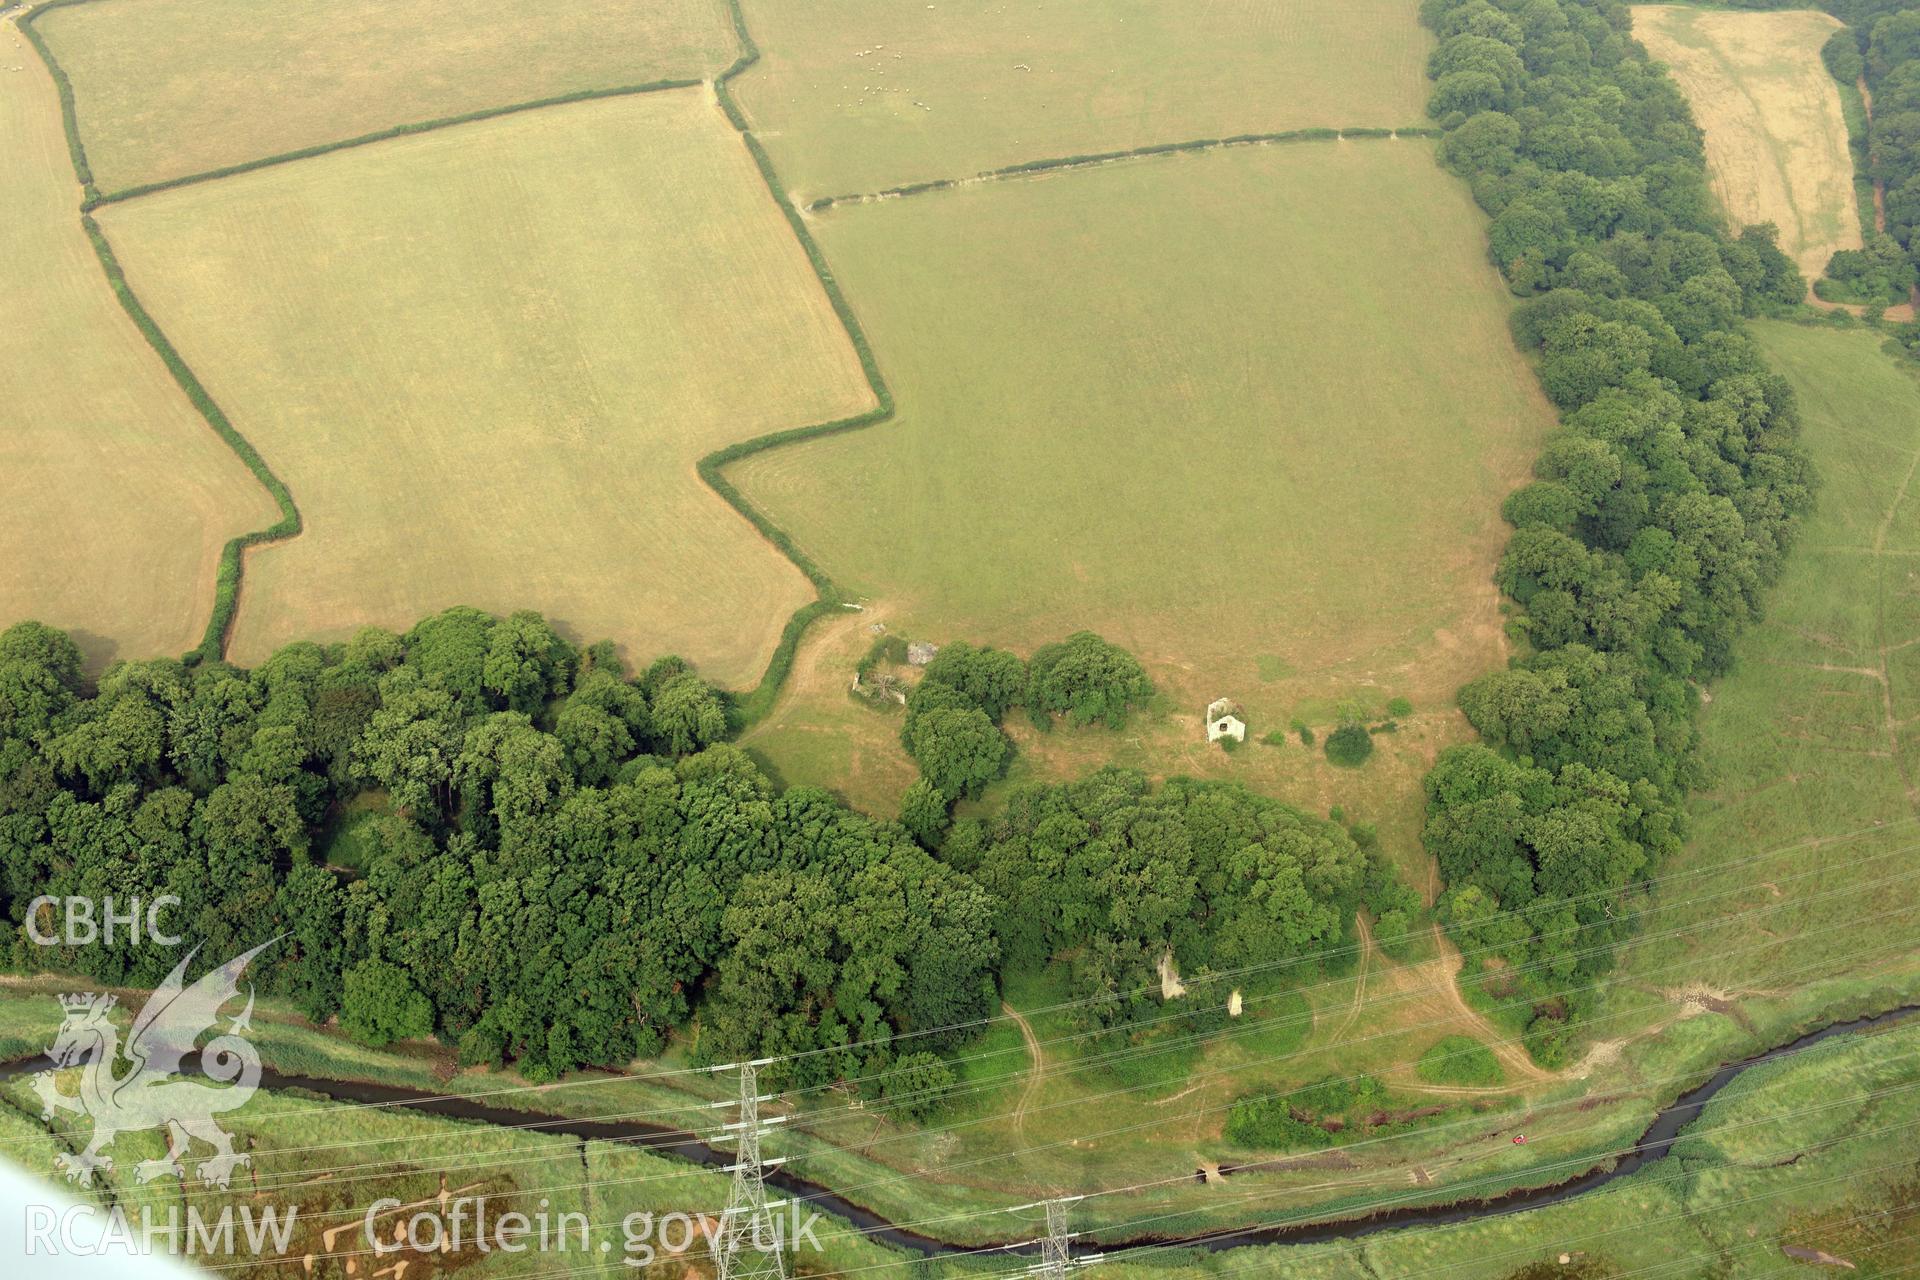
<point>891,1177</point>
<point>1082,1064</point>
<point>1129,1252</point>
<point>1345,949</point>
<point>1583,1162</point>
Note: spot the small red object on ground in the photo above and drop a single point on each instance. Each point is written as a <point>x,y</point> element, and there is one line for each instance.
<point>1519,1138</point>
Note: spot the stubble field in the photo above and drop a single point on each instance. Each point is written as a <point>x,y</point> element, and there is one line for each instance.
<point>485,360</point>
<point>115,495</point>
<point>167,88</point>
<point>1776,136</point>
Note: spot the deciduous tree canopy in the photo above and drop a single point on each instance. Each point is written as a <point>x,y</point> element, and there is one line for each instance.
<point>564,865</point>
<point>1661,509</point>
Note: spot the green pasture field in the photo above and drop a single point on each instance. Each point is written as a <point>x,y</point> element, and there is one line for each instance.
<point>1814,1151</point>
<point>1458,1060</point>
<point>1257,481</point>
<point>1810,744</point>
<point>1811,1150</point>
<point>115,496</point>
<point>860,95</point>
<point>485,360</point>
<point>1007,1134</point>
<point>167,88</point>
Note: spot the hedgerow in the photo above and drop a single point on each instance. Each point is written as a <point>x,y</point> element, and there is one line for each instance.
<point>759,701</point>
<point>1027,168</point>
<point>749,706</point>
<point>226,594</point>
<point>397,131</point>
<point>68,120</point>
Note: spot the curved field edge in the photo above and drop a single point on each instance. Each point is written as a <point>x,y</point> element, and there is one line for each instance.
<point>213,645</point>
<point>828,597</point>
<point>757,702</point>
<point>227,581</point>
<point>753,704</point>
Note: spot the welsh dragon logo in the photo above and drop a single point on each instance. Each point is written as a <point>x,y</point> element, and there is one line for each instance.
<point>146,1095</point>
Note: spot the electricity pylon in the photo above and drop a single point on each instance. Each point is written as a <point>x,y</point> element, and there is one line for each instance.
<point>749,1245</point>
<point>1056,1250</point>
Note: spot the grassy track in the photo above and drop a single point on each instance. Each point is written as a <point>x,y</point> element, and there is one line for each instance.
<point>858,95</point>
<point>486,359</point>
<point>1776,135</point>
<point>167,88</point>
<point>115,497</point>
<point>1250,478</point>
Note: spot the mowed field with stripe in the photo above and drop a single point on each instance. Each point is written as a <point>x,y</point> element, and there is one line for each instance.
<point>485,359</point>
<point>166,88</point>
<point>115,495</point>
<point>858,95</point>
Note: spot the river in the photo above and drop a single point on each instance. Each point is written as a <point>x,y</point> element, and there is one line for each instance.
<point>1652,1146</point>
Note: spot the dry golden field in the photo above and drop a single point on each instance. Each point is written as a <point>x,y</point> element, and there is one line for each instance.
<point>172,87</point>
<point>1776,138</point>
<point>115,496</point>
<point>485,360</point>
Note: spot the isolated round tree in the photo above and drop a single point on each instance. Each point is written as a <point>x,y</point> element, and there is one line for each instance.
<point>1349,745</point>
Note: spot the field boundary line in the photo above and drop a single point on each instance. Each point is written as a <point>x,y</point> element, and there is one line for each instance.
<point>69,118</point>
<point>1096,159</point>
<point>226,590</point>
<point>95,198</point>
<point>754,704</point>
<point>379,135</point>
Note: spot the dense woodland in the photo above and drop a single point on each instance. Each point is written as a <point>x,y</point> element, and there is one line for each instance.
<point>1881,46</point>
<point>1662,505</point>
<point>566,864</point>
